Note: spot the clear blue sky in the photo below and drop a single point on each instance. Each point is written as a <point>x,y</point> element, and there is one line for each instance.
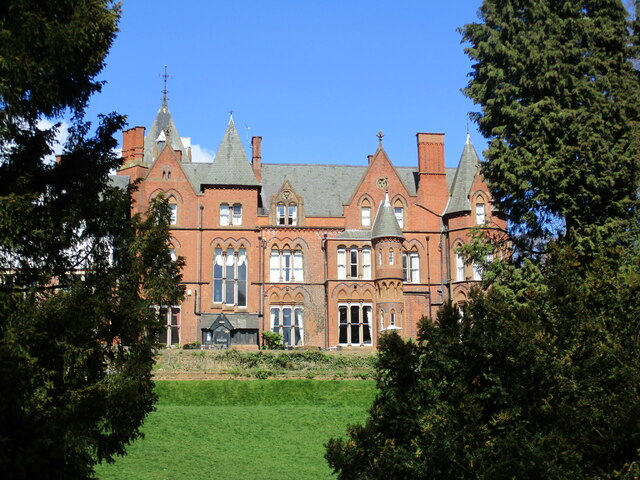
<point>316,80</point>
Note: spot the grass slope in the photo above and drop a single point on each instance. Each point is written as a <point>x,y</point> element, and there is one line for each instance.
<point>266,429</point>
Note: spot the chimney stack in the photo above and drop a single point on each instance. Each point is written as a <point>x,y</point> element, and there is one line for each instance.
<point>433,192</point>
<point>431,153</point>
<point>256,157</point>
<point>133,146</point>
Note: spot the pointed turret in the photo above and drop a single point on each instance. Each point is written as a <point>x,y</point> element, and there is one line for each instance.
<point>163,131</point>
<point>231,165</point>
<point>468,169</point>
<point>385,224</point>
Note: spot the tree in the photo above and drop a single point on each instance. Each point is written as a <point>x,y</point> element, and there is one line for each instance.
<point>540,377</point>
<point>560,103</point>
<point>79,274</point>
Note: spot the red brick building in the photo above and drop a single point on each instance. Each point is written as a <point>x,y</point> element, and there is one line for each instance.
<point>326,255</point>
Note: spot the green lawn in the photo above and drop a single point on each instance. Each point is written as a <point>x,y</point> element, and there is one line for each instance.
<point>264,429</point>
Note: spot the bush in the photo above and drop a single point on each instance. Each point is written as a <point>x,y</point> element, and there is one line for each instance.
<point>272,340</point>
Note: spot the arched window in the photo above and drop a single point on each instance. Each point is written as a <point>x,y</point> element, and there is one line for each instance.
<point>173,211</point>
<point>281,214</point>
<point>460,277</point>
<point>480,212</point>
<point>342,263</point>
<point>292,214</point>
<point>230,277</point>
<point>286,266</point>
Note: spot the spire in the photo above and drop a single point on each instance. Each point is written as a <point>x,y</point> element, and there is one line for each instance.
<point>467,170</point>
<point>385,224</point>
<point>163,126</point>
<point>231,165</point>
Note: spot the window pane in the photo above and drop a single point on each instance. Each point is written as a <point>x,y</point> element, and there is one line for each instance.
<point>399,213</point>
<point>175,335</point>
<point>480,215</point>
<point>217,276</point>
<point>342,327</point>
<point>173,211</point>
<point>366,216</point>
<point>280,214</point>
<point>237,214</point>
<point>460,267</point>
<point>298,274</point>
<point>242,278</point>
<point>224,214</point>
<point>405,273</point>
<point>286,266</point>
<point>414,261</point>
<point>355,325</point>
<point>175,316</point>
<point>275,320</point>
<point>229,278</point>
<point>342,264</point>
<point>286,322</point>
<point>293,215</point>
<point>353,263</point>
<point>274,266</point>
<point>366,325</point>
<point>366,263</point>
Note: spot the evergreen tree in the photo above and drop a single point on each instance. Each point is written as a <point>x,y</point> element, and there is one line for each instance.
<point>560,104</point>
<point>78,274</point>
<point>540,378</point>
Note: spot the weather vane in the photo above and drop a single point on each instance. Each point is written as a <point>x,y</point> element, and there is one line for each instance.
<point>164,90</point>
<point>380,135</point>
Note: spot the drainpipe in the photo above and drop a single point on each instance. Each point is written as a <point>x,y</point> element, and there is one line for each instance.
<point>262,244</point>
<point>326,291</point>
<point>429,274</point>
<point>197,307</point>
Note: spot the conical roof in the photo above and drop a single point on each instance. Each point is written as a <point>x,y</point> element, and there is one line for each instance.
<point>231,166</point>
<point>467,170</point>
<point>163,129</point>
<point>385,224</point>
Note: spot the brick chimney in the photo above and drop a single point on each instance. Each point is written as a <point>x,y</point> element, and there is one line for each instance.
<point>133,145</point>
<point>256,157</point>
<point>433,192</point>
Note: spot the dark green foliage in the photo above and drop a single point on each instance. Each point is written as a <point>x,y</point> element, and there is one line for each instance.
<point>538,380</point>
<point>560,103</point>
<point>77,334</point>
<point>272,340</point>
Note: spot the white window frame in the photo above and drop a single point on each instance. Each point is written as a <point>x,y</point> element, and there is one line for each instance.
<point>292,214</point>
<point>226,260</point>
<point>342,263</point>
<point>411,267</point>
<point>460,277</point>
<point>237,214</point>
<point>224,214</point>
<point>481,214</point>
<point>346,329</point>
<point>365,216</point>
<point>173,214</point>
<point>354,262</point>
<point>277,315</point>
<point>286,266</point>
<point>399,214</point>
<point>366,263</point>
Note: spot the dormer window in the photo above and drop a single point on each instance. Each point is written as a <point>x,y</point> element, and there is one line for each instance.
<point>292,214</point>
<point>281,213</point>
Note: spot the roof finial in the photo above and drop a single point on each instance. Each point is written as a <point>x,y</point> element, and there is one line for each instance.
<point>387,203</point>
<point>164,90</point>
<point>230,116</point>
<point>468,135</point>
<point>380,135</point>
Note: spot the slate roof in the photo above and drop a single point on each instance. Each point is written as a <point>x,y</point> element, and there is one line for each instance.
<point>463,180</point>
<point>163,124</point>
<point>119,181</point>
<point>230,165</point>
<point>385,224</point>
<point>350,234</point>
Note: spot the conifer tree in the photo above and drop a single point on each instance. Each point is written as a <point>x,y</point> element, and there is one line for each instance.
<point>78,275</point>
<point>560,104</point>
